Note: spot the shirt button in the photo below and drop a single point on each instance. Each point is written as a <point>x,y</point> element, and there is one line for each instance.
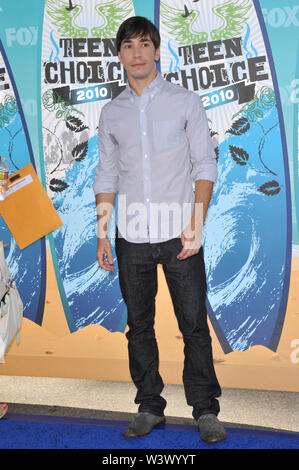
<point>142,110</point>
<point>147,199</point>
<point>144,133</point>
<point>145,156</point>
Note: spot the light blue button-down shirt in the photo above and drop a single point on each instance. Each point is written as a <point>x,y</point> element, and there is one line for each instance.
<point>153,148</point>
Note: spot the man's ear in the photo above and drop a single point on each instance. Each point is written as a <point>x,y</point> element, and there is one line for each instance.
<point>157,54</point>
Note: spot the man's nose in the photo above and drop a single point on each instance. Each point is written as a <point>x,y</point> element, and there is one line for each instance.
<point>137,51</point>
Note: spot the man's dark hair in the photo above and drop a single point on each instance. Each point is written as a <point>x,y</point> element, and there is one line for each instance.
<point>137,26</point>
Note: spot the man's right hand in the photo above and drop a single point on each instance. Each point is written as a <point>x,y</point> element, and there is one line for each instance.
<point>104,254</point>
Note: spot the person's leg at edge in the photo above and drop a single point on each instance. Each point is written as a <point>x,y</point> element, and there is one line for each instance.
<point>3,409</point>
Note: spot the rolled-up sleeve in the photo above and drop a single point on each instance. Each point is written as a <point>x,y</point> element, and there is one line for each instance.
<point>202,154</point>
<point>106,174</point>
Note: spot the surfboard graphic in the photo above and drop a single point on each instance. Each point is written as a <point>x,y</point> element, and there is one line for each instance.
<point>27,266</point>
<point>80,72</point>
<point>220,50</point>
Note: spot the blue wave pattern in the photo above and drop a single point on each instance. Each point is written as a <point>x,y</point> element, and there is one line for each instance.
<point>245,234</point>
<point>93,294</point>
<point>245,43</point>
<point>25,265</point>
<point>56,58</point>
<point>173,67</point>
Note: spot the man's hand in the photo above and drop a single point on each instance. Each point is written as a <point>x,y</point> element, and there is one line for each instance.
<point>104,254</point>
<point>105,204</point>
<point>191,242</point>
<point>192,234</point>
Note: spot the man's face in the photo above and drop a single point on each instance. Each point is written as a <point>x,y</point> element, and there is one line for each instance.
<point>138,57</point>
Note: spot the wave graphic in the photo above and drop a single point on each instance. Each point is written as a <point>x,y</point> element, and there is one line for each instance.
<point>173,67</point>
<point>93,294</point>
<point>56,58</point>
<point>245,263</point>
<point>245,44</point>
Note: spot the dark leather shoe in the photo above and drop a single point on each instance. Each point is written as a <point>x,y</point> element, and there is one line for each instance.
<point>210,428</point>
<point>142,424</point>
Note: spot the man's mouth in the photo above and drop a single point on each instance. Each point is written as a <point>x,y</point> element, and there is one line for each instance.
<point>139,64</point>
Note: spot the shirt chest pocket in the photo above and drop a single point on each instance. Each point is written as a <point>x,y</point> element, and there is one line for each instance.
<point>168,134</point>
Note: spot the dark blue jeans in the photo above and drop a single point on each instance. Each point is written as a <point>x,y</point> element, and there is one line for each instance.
<point>186,280</point>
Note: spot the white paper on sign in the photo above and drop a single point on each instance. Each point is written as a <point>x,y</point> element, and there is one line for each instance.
<point>15,186</point>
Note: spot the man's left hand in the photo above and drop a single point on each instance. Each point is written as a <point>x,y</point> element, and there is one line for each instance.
<point>191,244</point>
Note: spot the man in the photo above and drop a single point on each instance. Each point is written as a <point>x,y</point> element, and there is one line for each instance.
<point>154,144</point>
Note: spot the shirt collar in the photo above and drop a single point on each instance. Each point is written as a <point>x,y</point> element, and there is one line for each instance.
<point>151,88</point>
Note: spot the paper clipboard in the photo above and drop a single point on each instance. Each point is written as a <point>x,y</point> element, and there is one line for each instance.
<point>27,209</point>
